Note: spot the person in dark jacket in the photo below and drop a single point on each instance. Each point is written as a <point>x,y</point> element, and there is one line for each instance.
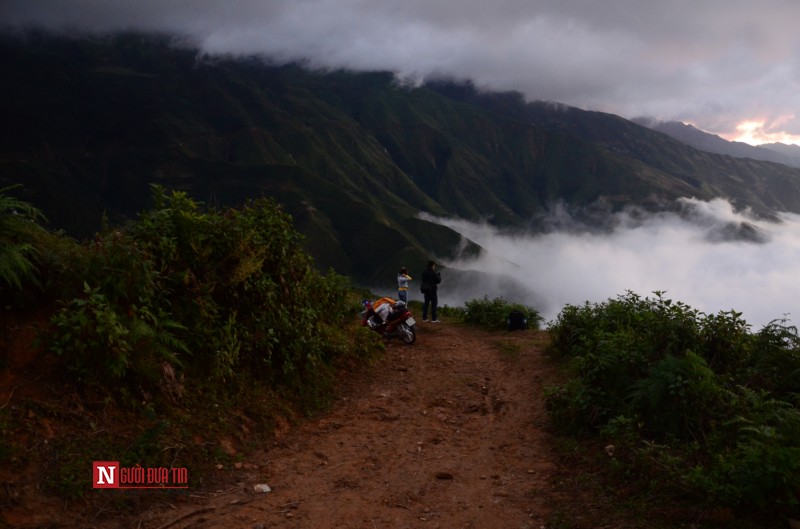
<point>429,287</point>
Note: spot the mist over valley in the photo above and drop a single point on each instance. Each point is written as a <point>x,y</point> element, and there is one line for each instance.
<point>706,254</point>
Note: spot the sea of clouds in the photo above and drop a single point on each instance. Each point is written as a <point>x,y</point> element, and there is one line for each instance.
<point>704,254</point>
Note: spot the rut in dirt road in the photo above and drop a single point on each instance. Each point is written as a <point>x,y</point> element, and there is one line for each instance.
<point>447,433</point>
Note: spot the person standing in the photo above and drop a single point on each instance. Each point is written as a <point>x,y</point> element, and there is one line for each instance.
<point>402,284</point>
<point>429,288</point>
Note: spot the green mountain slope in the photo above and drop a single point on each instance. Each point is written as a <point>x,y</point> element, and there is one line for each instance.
<point>762,185</point>
<point>89,124</point>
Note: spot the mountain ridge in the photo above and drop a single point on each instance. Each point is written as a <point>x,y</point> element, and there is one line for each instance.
<point>704,141</point>
<point>353,157</point>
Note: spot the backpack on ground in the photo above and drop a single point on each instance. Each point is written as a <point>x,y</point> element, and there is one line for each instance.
<point>517,321</point>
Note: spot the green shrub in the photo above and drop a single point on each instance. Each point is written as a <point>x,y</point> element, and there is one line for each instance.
<point>98,341</point>
<point>756,454</point>
<point>726,341</point>
<point>659,326</point>
<point>493,314</point>
<point>712,402</point>
<point>446,311</point>
<point>678,398</point>
<point>775,359</point>
<point>233,290</point>
<point>613,346</point>
<point>93,337</point>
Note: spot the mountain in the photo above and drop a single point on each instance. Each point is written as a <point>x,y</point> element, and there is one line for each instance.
<point>670,167</point>
<point>690,135</point>
<point>89,124</point>
<point>791,152</point>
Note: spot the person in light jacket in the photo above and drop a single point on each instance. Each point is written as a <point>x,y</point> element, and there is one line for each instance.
<point>402,284</point>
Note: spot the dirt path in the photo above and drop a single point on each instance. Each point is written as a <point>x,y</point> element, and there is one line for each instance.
<point>445,433</point>
<point>449,432</point>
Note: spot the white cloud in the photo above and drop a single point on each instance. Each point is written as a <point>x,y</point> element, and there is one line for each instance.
<point>692,256</point>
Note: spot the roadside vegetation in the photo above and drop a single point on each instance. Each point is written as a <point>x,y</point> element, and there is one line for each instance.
<point>192,324</point>
<point>492,314</point>
<point>693,405</point>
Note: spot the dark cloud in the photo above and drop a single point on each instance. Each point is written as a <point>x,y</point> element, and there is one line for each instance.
<point>714,63</point>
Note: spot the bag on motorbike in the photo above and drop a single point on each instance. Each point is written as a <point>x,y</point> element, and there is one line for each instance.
<point>398,309</point>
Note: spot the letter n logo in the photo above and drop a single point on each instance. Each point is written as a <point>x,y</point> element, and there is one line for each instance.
<point>105,474</point>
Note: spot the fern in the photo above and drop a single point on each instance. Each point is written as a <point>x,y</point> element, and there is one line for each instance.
<point>15,264</point>
<point>156,334</point>
<point>18,227</point>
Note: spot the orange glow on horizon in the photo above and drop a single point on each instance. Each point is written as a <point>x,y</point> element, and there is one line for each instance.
<point>755,133</point>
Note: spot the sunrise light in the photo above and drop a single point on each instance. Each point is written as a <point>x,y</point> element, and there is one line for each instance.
<point>757,132</point>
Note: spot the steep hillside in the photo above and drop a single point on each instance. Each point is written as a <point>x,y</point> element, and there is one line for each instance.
<point>670,165</point>
<point>89,124</point>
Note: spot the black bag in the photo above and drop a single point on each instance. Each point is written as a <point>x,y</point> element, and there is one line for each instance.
<point>517,321</point>
<point>425,288</point>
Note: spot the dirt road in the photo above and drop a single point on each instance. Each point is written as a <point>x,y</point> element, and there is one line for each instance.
<point>445,433</point>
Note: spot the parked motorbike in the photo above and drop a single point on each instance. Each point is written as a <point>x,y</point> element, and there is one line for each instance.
<point>399,322</point>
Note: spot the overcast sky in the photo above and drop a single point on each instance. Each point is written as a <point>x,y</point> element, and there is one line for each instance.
<point>718,64</point>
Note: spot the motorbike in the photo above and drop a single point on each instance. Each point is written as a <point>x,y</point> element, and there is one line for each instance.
<point>399,322</point>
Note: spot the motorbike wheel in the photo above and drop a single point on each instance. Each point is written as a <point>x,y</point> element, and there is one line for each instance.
<point>407,333</point>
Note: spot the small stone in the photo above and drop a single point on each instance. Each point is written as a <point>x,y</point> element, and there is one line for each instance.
<point>261,488</point>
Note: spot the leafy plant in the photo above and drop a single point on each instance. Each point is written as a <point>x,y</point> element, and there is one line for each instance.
<point>19,223</point>
<point>757,456</point>
<point>679,397</point>
<point>775,359</point>
<point>727,341</point>
<point>97,341</point>
<point>91,334</point>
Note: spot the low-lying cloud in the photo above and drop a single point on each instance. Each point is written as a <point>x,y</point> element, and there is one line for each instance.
<point>707,256</point>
